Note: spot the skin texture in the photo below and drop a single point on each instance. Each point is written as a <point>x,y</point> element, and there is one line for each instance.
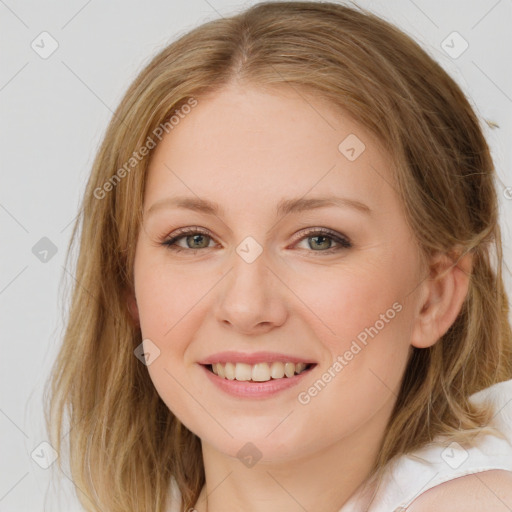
<point>246,149</point>
<point>488,490</point>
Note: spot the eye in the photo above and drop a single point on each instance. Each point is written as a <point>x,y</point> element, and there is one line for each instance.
<point>196,238</point>
<point>322,239</point>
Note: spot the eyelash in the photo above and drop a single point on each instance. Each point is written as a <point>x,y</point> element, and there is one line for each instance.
<point>183,233</point>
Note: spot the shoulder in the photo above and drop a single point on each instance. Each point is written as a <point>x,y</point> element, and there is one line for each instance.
<point>487,490</point>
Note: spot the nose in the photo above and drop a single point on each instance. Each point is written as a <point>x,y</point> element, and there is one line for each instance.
<point>252,298</point>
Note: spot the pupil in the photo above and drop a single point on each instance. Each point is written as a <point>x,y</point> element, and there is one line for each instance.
<point>196,237</point>
<point>321,237</point>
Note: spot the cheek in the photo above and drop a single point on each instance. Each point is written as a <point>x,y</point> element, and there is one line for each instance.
<point>343,303</point>
<point>364,370</point>
<point>164,297</point>
<point>364,321</point>
<point>168,317</point>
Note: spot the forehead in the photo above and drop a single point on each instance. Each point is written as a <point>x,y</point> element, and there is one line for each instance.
<point>248,146</point>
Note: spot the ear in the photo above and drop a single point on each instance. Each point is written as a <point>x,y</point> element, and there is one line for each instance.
<point>442,295</point>
<point>133,309</point>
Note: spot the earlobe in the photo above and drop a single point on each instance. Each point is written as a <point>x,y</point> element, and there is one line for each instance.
<point>444,292</point>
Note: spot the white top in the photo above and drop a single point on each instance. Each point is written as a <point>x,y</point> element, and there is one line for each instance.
<point>412,474</point>
<point>416,472</point>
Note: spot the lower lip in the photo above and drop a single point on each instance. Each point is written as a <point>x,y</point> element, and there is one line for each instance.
<point>249,389</point>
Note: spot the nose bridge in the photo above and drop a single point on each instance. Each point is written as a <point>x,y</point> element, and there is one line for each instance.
<point>249,280</point>
<point>250,295</point>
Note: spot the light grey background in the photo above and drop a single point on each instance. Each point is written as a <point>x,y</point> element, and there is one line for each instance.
<point>53,114</point>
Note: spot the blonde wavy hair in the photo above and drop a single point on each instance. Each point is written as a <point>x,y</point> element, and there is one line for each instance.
<point>125,445</point>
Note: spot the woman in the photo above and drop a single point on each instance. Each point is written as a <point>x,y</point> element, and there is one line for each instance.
<point>289,284</point>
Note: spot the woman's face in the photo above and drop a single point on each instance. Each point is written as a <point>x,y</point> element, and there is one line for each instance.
<point>260,280</point>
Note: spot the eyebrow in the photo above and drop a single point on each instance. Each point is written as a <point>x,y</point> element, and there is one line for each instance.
<point>284,207</point>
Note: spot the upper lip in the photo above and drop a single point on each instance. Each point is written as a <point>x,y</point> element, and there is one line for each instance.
<point>253,358</point>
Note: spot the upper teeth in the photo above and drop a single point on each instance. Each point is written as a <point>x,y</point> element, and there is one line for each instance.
<point>258,372</point>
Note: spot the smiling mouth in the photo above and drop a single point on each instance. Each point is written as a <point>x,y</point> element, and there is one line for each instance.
<point>260,372</point>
